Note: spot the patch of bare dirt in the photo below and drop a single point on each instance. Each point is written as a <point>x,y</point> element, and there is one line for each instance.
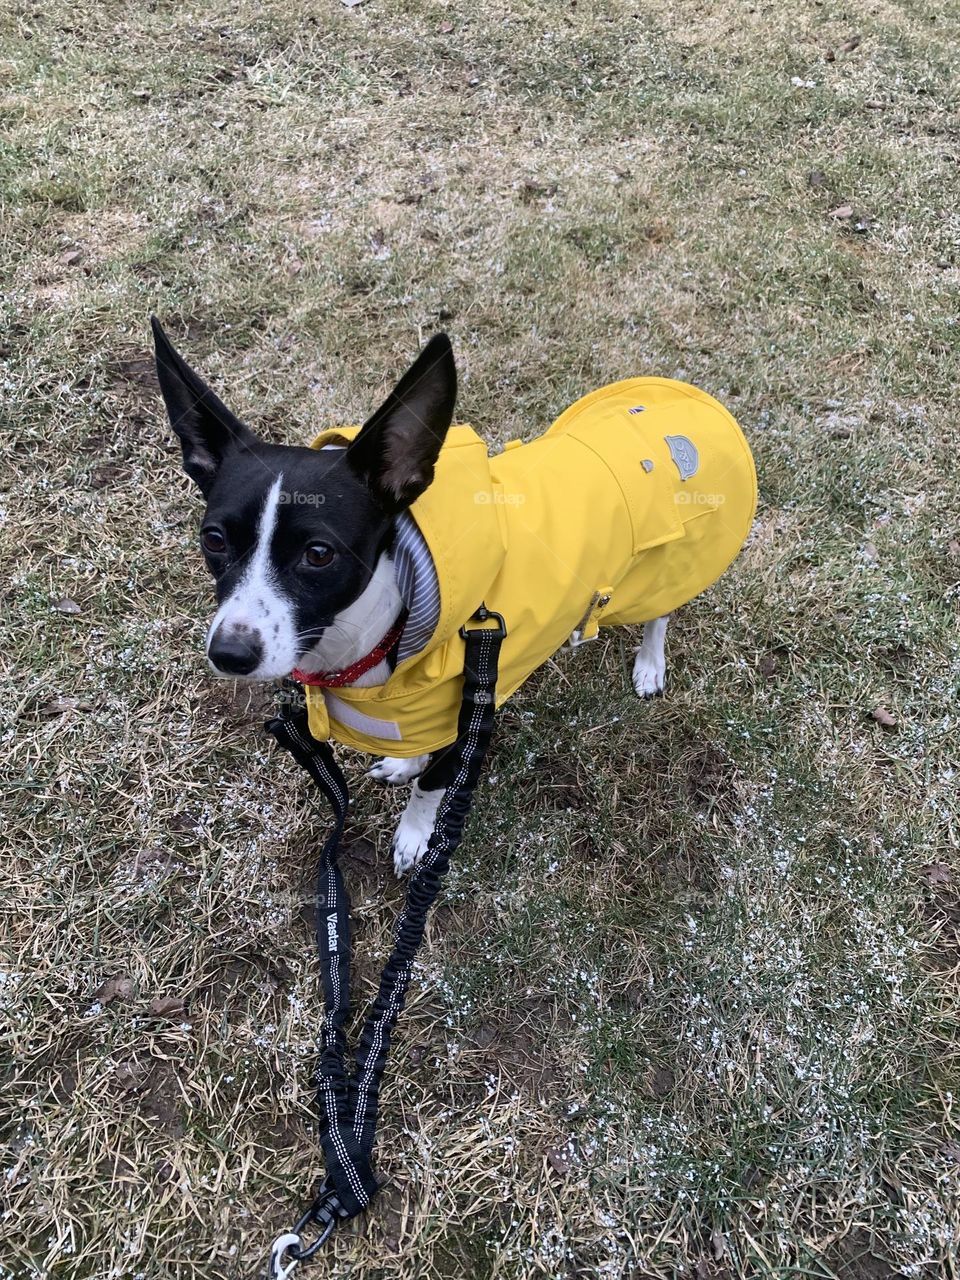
<point>853,1258</point>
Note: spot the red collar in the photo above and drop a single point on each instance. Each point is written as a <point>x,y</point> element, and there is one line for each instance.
<point>337,679</point>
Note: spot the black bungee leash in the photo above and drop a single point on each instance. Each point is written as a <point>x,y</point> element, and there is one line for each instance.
<point>348,1100</point>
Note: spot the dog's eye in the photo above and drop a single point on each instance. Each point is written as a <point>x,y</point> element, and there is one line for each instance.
<point>213,542</point>
<point>318,555</point>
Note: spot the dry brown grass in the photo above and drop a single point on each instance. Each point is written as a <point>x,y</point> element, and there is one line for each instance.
<point>689,1009</point>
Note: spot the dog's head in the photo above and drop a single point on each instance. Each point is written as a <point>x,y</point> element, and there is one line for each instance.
<point>293,535</point>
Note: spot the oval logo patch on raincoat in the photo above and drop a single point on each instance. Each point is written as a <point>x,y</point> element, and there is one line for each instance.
<point>684,453</point>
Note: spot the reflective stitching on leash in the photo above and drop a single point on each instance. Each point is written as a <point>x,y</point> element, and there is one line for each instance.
<point>330,1096</point>
<point>366,1080</point>
<point>350,1184</point>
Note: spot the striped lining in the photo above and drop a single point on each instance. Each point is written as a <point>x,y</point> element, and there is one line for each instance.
<point>418,584</point>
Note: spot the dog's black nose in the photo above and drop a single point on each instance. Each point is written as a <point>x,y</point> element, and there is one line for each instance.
<point>235,653</point>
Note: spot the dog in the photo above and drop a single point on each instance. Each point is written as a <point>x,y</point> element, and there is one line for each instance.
<point>352,564</point>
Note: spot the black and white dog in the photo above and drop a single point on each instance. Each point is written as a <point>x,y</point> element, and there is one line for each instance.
<point>312,586</point>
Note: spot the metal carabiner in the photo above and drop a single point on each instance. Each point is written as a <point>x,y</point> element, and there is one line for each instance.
<point>277,1269</point>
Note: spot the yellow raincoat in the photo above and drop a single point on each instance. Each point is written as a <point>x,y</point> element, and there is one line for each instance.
<point>636,499</point>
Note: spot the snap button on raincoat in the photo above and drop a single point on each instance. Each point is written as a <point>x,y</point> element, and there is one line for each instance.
<point>637,498</point>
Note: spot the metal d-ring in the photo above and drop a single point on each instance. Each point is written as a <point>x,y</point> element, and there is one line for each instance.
<point>483,614</point>
<point>325,1213</point>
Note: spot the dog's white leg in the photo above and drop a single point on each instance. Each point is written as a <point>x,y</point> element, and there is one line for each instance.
<point>415,828</point>
<point>650,664</point>
<point>392,770</point>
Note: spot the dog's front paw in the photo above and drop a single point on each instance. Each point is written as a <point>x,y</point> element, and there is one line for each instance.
<point>415,828</point>
<point>649,674</point>
<point>395,771</point>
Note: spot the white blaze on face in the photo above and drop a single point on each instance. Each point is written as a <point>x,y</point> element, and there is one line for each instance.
<point>257,612</point>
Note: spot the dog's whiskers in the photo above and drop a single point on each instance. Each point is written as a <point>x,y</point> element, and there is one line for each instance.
<point>313,633</point>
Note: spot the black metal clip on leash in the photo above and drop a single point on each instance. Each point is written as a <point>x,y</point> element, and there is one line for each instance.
<point>348,1101</point>
<point>323,1214</point>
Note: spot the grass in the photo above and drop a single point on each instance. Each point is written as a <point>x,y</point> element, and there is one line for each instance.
<point>689,1007</point>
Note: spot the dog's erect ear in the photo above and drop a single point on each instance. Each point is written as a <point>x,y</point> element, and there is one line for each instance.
<point>206,427</point>
<point>394,454</point>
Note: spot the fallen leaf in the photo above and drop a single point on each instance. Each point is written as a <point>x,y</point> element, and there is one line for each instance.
<point>954,549</point>
<point>848,46</point>
<point>219,124</point>
<point>129,1075</point>
<point>184,821</point>
<point>768,665</point>
<point>71,257</point>
<point>109,473</point>
<point>294,267</point>
<point>558,1158</point>
<point>872,104</point>
<point>57,707</point>
<point>884,718</point>
<point>718,1242</point>
<point>483,1037</point>
<point>66,605</point>
<point>937,874</point>
<point>152,862</point>
<point>841,211</point>
<point>116,989</point>
<point>167,1006</point>
<point>829,56</point>
<point>446,28</point>
<point>140,93</point>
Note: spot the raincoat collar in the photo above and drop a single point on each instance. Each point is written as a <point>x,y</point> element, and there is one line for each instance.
<point>460,519</point>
